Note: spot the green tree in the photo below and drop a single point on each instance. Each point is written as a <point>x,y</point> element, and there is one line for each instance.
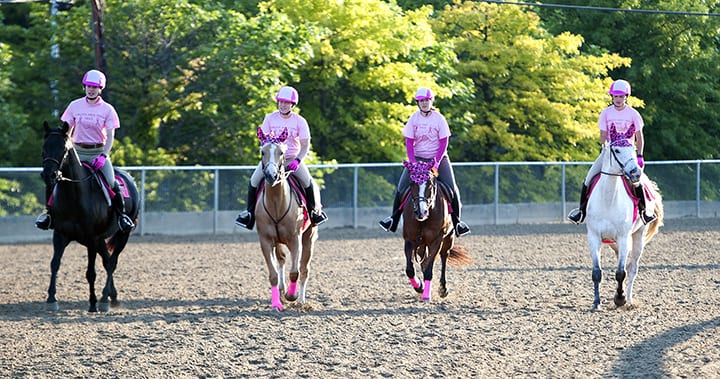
<point>535,95</point>
<point>675,68</point>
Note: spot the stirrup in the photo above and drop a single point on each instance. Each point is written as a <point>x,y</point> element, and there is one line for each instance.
<point>576,216</point>
<point>125,223</point>
<point>44,221</point>
<point>318,217</point>
<point>647,219</point>
<point>387,224</point>
<point>462,229</point>
<point>245,219</point>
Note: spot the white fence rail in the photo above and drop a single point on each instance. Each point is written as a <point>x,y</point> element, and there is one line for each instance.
<point>206,199</point>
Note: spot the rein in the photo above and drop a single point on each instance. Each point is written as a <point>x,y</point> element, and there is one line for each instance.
<point>622,166</point>
<point>284,176</point>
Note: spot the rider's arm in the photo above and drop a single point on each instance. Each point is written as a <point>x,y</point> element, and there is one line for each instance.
<point>410,146</point>
<point>304,147</point>
<point>442,149</point>
<point>109,142</point>
<point>639,142</point>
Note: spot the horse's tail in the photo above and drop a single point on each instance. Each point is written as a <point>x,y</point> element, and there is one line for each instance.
<point>459,256</point>
<point>653,229</point>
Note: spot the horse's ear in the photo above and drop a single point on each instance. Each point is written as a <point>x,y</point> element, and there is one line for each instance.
<point>261,135</point>
<point>46,126</point>
<point>65,127</point>
<point>407,164</point>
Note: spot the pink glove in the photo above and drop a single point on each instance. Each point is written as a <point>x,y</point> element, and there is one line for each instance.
<point>641,162</point>
<point>99,161</point>
<point>294,165</point>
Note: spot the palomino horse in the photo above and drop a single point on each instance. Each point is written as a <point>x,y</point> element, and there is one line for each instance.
<point>612,218</point>
<point>428,229</point>
<point>81,212</point>
<point>282,225</point>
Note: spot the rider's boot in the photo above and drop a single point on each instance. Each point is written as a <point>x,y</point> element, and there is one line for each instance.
<point>640,193</point>
<point>390,224</point>
<point>317,216</point>
<point>461,228</point>
<point>44,221</point>
<point>246,218</point>
<point>125,223</point>
<point>577,215</point>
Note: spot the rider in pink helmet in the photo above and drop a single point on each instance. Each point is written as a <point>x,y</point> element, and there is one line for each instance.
<point>617,120</point>
<point>298,146</point>
<point>426,138</point>
<point>93,122</point>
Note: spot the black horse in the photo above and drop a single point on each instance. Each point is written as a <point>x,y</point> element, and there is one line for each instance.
<point>81,213</point>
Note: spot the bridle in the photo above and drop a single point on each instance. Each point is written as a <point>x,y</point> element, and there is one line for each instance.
<point>56,171</point>
<point>622,165</point>
<point>280,175</point>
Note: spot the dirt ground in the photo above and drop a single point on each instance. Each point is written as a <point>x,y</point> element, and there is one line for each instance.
<point>199,306</point>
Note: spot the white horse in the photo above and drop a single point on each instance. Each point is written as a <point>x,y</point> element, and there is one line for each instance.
<point>612,218</point>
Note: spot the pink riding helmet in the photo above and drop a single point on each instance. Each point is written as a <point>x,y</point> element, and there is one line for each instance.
<point>620,87</point>
<point>423,94</point>
<point>287,94</point>
<point>94,78</point>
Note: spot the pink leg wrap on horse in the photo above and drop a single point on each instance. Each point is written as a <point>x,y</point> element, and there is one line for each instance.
<point>276,303</point>
<point>292,288</point>
<point>414,282</point>
<point>426,291</point>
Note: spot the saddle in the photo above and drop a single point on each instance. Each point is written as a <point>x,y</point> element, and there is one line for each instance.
<point>628,189</point>
<point>103,184</point>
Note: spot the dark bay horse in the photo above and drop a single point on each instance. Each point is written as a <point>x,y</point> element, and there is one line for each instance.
<point>283,227</point>
<point>81,212</point>
<point>428,229</point>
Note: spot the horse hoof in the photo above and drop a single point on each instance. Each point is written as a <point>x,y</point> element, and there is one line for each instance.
<point>443,293</point>
<point>619,301</point>
<point>291,297</point>
<point>52,307</point>
<point>419,289</point>
<point>104,307</point>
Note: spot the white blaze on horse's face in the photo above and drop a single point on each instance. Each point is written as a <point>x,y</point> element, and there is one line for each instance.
<point>273,158</point>
<point>423,208</point>
<point>625,159</point>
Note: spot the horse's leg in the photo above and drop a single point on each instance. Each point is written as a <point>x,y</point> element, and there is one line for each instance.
<point>595,245</point>
<point>109,263</point>
<point>294,247</point>
<point>623,246</point>
<point>267,247</point>
<point>446,246</point>
<point>633,263</point>
<point>59,245</point>
<point>433,248</point>
<point>281,253</point>
<point>308,246</point>
<point>410,267</point>
<point>90,275</point>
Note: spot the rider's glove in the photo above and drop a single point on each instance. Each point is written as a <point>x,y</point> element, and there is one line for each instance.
<point>99,161</point>
<point>641,162</point>
<point>293,165</point>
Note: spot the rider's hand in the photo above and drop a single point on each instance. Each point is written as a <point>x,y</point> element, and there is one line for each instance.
<point>293,165</point>
<point>641,162</point>
<point>99,161</point>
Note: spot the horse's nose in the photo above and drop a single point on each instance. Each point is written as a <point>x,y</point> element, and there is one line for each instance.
<point>634,175</point>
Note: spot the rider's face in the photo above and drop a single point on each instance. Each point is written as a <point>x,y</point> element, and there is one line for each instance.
<point>285,107</point>
<point>92,92</point>
<point>619,100</point>
<point>425,105</point>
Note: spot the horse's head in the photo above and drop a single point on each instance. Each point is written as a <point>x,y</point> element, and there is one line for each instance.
<point>423,189</point>
<point>54,152</point>
<point>623,160</point>
<point>273,156</point>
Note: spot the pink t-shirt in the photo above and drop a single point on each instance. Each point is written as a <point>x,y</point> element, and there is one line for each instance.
<point>427,133</point>
<point>297,128</point>
<point>622,120</point>
<point>91,121</point>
